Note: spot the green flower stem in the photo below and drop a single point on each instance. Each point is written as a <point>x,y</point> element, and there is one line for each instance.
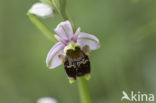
<point>36,21</point>
<point>84,90</point>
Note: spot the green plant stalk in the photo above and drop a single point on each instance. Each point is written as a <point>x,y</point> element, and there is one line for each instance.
<point>84,90</point>
<point>36,21</point>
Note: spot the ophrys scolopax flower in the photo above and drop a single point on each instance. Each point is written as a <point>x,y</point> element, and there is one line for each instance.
<point>72,50</point>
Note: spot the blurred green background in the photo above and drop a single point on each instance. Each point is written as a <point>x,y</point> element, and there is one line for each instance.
<point>126,60</point>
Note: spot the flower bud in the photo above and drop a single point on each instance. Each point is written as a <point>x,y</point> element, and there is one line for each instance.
<point>47,100</point>
<point>41,10</point>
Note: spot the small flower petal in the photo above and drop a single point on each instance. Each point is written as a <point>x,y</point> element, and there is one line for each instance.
<point>42,10</point>
<point>65,42</point>
<point>64,30</point>
<point>58,38</point>
<point>88,39</point>
<point>52,60</point>
<point>75,36</point>
<point>47,100</point>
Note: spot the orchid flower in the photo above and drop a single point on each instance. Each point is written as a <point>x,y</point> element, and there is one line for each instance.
<point>72,50</point>
<point>41,10</point>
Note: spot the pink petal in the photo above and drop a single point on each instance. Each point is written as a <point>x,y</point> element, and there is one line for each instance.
<point>65,42</point>
<point>74,38</point>
<point>52,60</point>
<point>57,37</point>
<point>88,39</point>
<point>64,30</point>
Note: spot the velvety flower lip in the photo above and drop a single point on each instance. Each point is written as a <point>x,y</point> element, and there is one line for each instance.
<point>65,35</point>
<point>41,10</point>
